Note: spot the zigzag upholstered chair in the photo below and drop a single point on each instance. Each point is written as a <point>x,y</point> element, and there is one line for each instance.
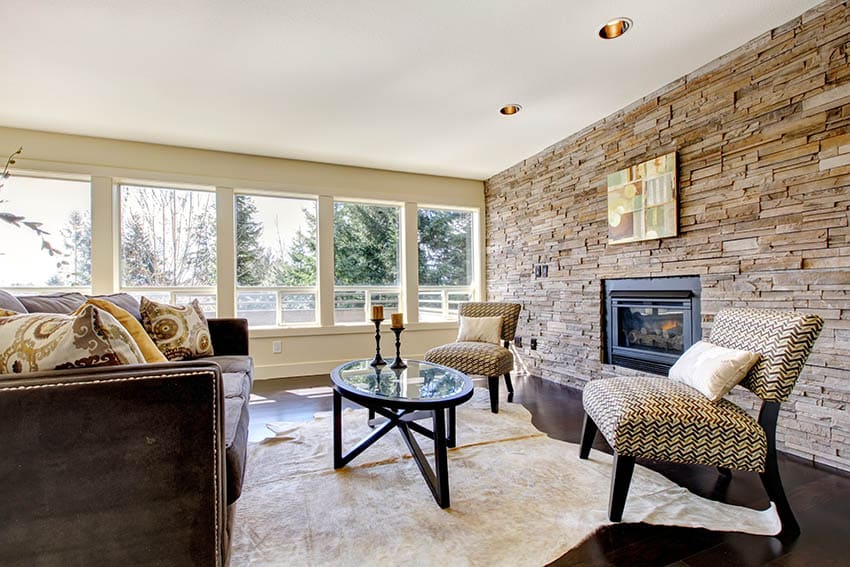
<point>660,419</point>
<point>483,359</point>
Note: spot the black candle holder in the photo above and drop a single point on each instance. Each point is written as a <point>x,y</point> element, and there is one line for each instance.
<point>377,361</point>
<point>398,362</point>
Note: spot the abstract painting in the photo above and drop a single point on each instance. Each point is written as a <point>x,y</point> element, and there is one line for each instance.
<point>642,201</point>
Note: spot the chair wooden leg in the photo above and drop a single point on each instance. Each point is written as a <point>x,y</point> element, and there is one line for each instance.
<point>621,477</point>
<point>770,477</point>
<point>773,485</point>
<point>508,384</point>
<point>493,385</point>
<point>588,434</point>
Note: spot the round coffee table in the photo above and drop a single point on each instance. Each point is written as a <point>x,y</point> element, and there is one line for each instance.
<point>403,396</point>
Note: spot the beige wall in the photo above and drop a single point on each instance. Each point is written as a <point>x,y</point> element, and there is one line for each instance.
<point>304,350</point>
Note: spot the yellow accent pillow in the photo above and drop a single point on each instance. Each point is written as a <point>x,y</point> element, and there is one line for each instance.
<point>132,325</point>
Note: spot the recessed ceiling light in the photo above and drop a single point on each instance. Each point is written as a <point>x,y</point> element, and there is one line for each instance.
<point>615,28</point>
<point>510,109</point>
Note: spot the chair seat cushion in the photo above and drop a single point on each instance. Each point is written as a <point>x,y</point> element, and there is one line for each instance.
<point>657,418</point>
<point>480,359</point>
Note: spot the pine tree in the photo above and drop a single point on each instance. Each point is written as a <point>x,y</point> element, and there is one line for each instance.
<point>366,244</point>
<point>252,259</point>
<point>76,268</point>
<point>297,264</point>
<point>138,258</point>
<point>445,244</point>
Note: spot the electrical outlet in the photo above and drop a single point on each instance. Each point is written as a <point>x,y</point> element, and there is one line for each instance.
<point>537,270</point>
<point>533,344</point>
<point>277,347</point>
<point>518,342</point>
<point>544,271</point>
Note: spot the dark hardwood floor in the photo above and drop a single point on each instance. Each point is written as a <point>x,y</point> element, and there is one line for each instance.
<point>820,497</point>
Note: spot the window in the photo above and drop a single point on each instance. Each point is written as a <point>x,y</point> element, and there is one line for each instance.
<point>276,260</point>
<point>168,244</point>
<point>366,260</point>
<point>446,262</point>
<point>46,239</point>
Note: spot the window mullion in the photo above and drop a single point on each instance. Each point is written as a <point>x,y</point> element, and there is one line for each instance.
<point>325,253</point>
<point>225,251</point>
<point>410,262</point>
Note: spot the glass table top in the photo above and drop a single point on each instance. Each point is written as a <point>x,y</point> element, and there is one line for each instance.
<point>419,381</point>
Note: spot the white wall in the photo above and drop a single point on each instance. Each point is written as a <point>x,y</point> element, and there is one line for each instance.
<point>305,350</point>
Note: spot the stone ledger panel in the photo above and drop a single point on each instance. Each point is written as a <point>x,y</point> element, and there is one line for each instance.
<point>762,137</point>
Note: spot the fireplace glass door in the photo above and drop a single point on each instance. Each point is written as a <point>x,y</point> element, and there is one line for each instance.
<point>655,329</point>
<point>650,333</point>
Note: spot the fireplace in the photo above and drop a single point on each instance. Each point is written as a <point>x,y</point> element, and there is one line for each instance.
<point>650,322</point>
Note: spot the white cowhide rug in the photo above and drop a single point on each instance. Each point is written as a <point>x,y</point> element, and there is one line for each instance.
<point>517,497</point>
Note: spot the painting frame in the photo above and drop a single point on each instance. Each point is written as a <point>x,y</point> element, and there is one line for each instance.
<point>643,201</point>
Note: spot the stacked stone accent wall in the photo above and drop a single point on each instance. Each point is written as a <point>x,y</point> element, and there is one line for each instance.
<point>763,142</point>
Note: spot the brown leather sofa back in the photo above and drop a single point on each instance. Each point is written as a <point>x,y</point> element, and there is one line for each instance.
<point>112,466</point>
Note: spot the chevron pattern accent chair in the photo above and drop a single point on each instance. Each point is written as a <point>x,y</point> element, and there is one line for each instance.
<point>660,419</point>
<point>483,359</point>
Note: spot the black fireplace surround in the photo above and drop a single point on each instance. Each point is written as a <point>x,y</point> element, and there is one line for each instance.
<point>650,322</point>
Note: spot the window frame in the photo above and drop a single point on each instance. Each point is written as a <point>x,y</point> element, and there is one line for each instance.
<point>58,176</point>
<point>278,290</point>
<point>173,291</point>
<point>369,289</point>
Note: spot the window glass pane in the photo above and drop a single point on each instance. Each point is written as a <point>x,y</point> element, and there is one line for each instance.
<point>259,307</point>
<point>445,248</point>
<point>167,237</point>
<point>366,247</point>
<point>349,306</point>
<point>46,239</point>
<point>297,307</point>
<point>275,241</point>
<point>390,301</point>
<point>205,300</point>
<point>446,262</point>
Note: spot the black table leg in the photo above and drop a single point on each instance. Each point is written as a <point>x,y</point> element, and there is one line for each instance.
<point>451,438</point>
<point>337,430</point>
<point>441,462</point>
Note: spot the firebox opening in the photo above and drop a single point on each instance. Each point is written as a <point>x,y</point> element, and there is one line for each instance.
<point>650,322</point>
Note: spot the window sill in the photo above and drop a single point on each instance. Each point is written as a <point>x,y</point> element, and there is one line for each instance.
<point>355,329</point>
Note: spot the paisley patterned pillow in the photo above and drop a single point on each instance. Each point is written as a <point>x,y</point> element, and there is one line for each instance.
<point>179,331</point>
<point>52,341</point>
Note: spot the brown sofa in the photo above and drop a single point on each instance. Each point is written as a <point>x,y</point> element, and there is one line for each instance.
<point>124,465</point>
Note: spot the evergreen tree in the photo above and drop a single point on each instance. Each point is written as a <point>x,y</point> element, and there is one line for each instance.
<point>445,244</point>
<point>252,259</point>
<point>297,264</point>
<point>365,244</point>
<point>138,258</point>
<point>76,268</point>
<point>203,258</point>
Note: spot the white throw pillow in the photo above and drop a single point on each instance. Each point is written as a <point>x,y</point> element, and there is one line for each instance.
<point>480,329</point>
<point>712,369</point>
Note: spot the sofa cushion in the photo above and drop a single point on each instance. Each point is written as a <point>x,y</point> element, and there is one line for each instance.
<point>233,363</point>
<point>179,331</point>
<point>48,341</point>
<point>65,303</point>
<point>125,301</point>
<point>11,303</point>
<point>237,392</point>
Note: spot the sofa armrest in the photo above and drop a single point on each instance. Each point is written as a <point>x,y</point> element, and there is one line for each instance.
<point>113,466</point>
<point>229,336</point>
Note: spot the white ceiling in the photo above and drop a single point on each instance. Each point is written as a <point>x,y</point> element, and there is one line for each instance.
<point>394,84</point>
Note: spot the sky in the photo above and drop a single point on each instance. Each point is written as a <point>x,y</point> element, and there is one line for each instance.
<point>49,201</point>
<point>281,216</point>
